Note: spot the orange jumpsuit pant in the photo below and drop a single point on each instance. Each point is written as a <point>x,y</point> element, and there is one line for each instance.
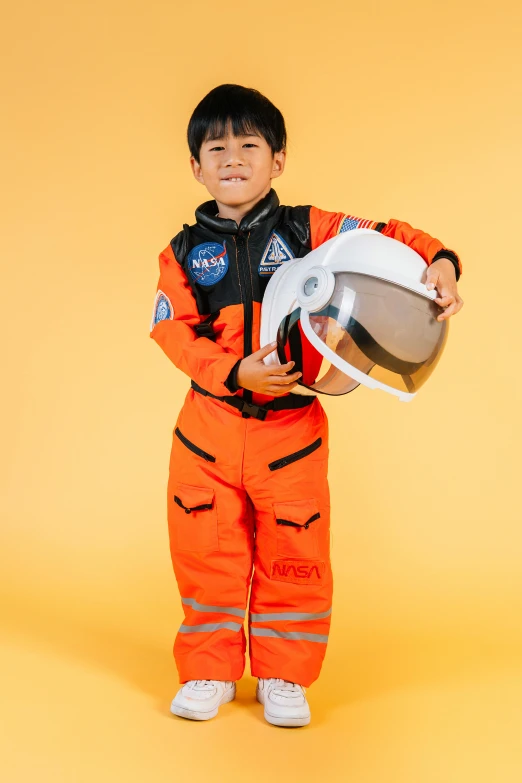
<point>249,507</point>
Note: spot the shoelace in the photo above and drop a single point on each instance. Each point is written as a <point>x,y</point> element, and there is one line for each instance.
<point>285,685</point>
<point>201,684</point>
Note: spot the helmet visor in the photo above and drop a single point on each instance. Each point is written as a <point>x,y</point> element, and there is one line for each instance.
<point>381,329</point>
<point>318,374</point>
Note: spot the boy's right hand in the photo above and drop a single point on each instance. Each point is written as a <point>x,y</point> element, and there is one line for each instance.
<point>255,375</point>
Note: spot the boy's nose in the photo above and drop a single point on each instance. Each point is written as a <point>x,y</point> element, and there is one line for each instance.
<point>234,155</point>
<point>234,158</point>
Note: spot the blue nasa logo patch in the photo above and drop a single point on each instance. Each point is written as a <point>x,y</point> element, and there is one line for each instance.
<point>208,263</point>
<point>276,253</point>
<point>162,310</point>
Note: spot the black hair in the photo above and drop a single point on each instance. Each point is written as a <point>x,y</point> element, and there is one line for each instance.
<point>246,109</point>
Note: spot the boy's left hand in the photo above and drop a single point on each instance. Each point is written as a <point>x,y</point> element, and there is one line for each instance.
<point>441,275</point>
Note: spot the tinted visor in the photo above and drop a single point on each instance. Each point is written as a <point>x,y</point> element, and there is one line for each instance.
<point>383,330</point>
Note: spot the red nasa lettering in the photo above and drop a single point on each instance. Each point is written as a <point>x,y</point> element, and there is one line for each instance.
<point>297,571</point>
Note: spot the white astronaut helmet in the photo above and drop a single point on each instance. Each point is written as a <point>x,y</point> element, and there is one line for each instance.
<point>355,311</point>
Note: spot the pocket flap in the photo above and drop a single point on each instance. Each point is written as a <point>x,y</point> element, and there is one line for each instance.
<point>300,513</point>
<point>193,497</point>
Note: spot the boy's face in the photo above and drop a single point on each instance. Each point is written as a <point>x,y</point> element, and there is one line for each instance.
<point>237,170</point>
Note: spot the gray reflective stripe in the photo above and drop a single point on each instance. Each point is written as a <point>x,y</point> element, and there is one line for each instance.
<point>208,627</point>
<point>308,637</point>
<point>206,608</point>
<point>260,618</point>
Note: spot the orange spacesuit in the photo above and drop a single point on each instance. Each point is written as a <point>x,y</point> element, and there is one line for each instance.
<point>248,498</point>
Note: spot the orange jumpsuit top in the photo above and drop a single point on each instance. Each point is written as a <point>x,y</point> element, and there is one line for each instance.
<point>213,275</point>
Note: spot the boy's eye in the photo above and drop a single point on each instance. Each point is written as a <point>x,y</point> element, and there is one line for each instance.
<point>247,144</point>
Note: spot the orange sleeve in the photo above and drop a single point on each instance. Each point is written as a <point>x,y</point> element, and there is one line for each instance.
<point>174,316</point>
<point>325,225</point>
<point>424,244</point>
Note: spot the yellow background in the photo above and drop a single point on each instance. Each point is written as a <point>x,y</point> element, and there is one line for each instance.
<point>408,110</point>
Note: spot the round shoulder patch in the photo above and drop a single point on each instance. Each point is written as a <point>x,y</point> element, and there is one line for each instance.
<point>162,310</point>
<point>208,263</point>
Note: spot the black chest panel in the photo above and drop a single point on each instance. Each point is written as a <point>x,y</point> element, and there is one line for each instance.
<point>234,268</point>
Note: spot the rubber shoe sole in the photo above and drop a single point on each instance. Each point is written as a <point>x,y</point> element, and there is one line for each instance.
<point>184,712</point>
<point>277,720</point>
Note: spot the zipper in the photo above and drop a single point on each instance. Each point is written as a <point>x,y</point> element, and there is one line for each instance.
<point>281,463</point>
<point>203,507</point>
<point>192,446</point>
<point>306,524</point>
<point>245,280</point>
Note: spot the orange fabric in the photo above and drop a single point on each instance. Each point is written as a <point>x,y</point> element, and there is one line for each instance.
<point>209,362</point>
<point>424,244</point>
<point>325,225</point>
<point>225,492</point>
<point>213,549</point>
<point>205,361</point>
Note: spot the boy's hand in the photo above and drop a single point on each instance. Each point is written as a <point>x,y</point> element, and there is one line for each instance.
<point>253,374</point>
<point>441,275</point>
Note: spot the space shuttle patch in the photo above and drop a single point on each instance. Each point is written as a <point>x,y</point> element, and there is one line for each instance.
<point>276,253</point>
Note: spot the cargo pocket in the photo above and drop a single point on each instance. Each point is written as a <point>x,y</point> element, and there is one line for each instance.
<point>194,519</point>
<point>297,528</point>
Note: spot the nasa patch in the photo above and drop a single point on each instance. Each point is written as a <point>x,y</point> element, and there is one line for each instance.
<point>162,310</point>
<point>276,253</point>
<point>208,263</point>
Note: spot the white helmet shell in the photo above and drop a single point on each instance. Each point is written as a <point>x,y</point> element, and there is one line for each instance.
<point>355,311</point>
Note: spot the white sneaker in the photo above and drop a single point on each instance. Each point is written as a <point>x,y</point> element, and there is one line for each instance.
<point>200,699</point>
<point>285,702</point>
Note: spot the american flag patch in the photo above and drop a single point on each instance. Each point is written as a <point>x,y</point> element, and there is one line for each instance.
<point>350,222</point>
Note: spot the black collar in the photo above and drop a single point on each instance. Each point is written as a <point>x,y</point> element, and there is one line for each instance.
<point>206,215</point>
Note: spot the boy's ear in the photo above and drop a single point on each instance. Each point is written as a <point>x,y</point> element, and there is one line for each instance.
<point>196,169</point>
<point>278,163</point>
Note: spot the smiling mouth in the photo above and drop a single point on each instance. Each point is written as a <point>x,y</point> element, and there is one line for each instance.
<point>233,179</point>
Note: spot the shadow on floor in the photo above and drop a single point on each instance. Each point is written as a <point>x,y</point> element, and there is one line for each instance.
<point>358,669</point>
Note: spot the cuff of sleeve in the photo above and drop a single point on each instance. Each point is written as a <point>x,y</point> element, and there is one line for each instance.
<point>231,381</point>
<point>451,256</point>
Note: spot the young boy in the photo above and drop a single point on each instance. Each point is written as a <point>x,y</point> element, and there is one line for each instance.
<point>248,498</point>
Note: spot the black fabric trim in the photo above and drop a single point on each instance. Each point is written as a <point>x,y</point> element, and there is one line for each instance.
<point>203,507</point>
<point>206,215</point>
<point>192,446</point>
<point>231,381</point>
<point>451,256</point>
<point>298,220</point>
<point>380,227</point>
<point>296,455</point>
<point>180,244</point>
<point>306,524</point>
<point>247,295</point>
